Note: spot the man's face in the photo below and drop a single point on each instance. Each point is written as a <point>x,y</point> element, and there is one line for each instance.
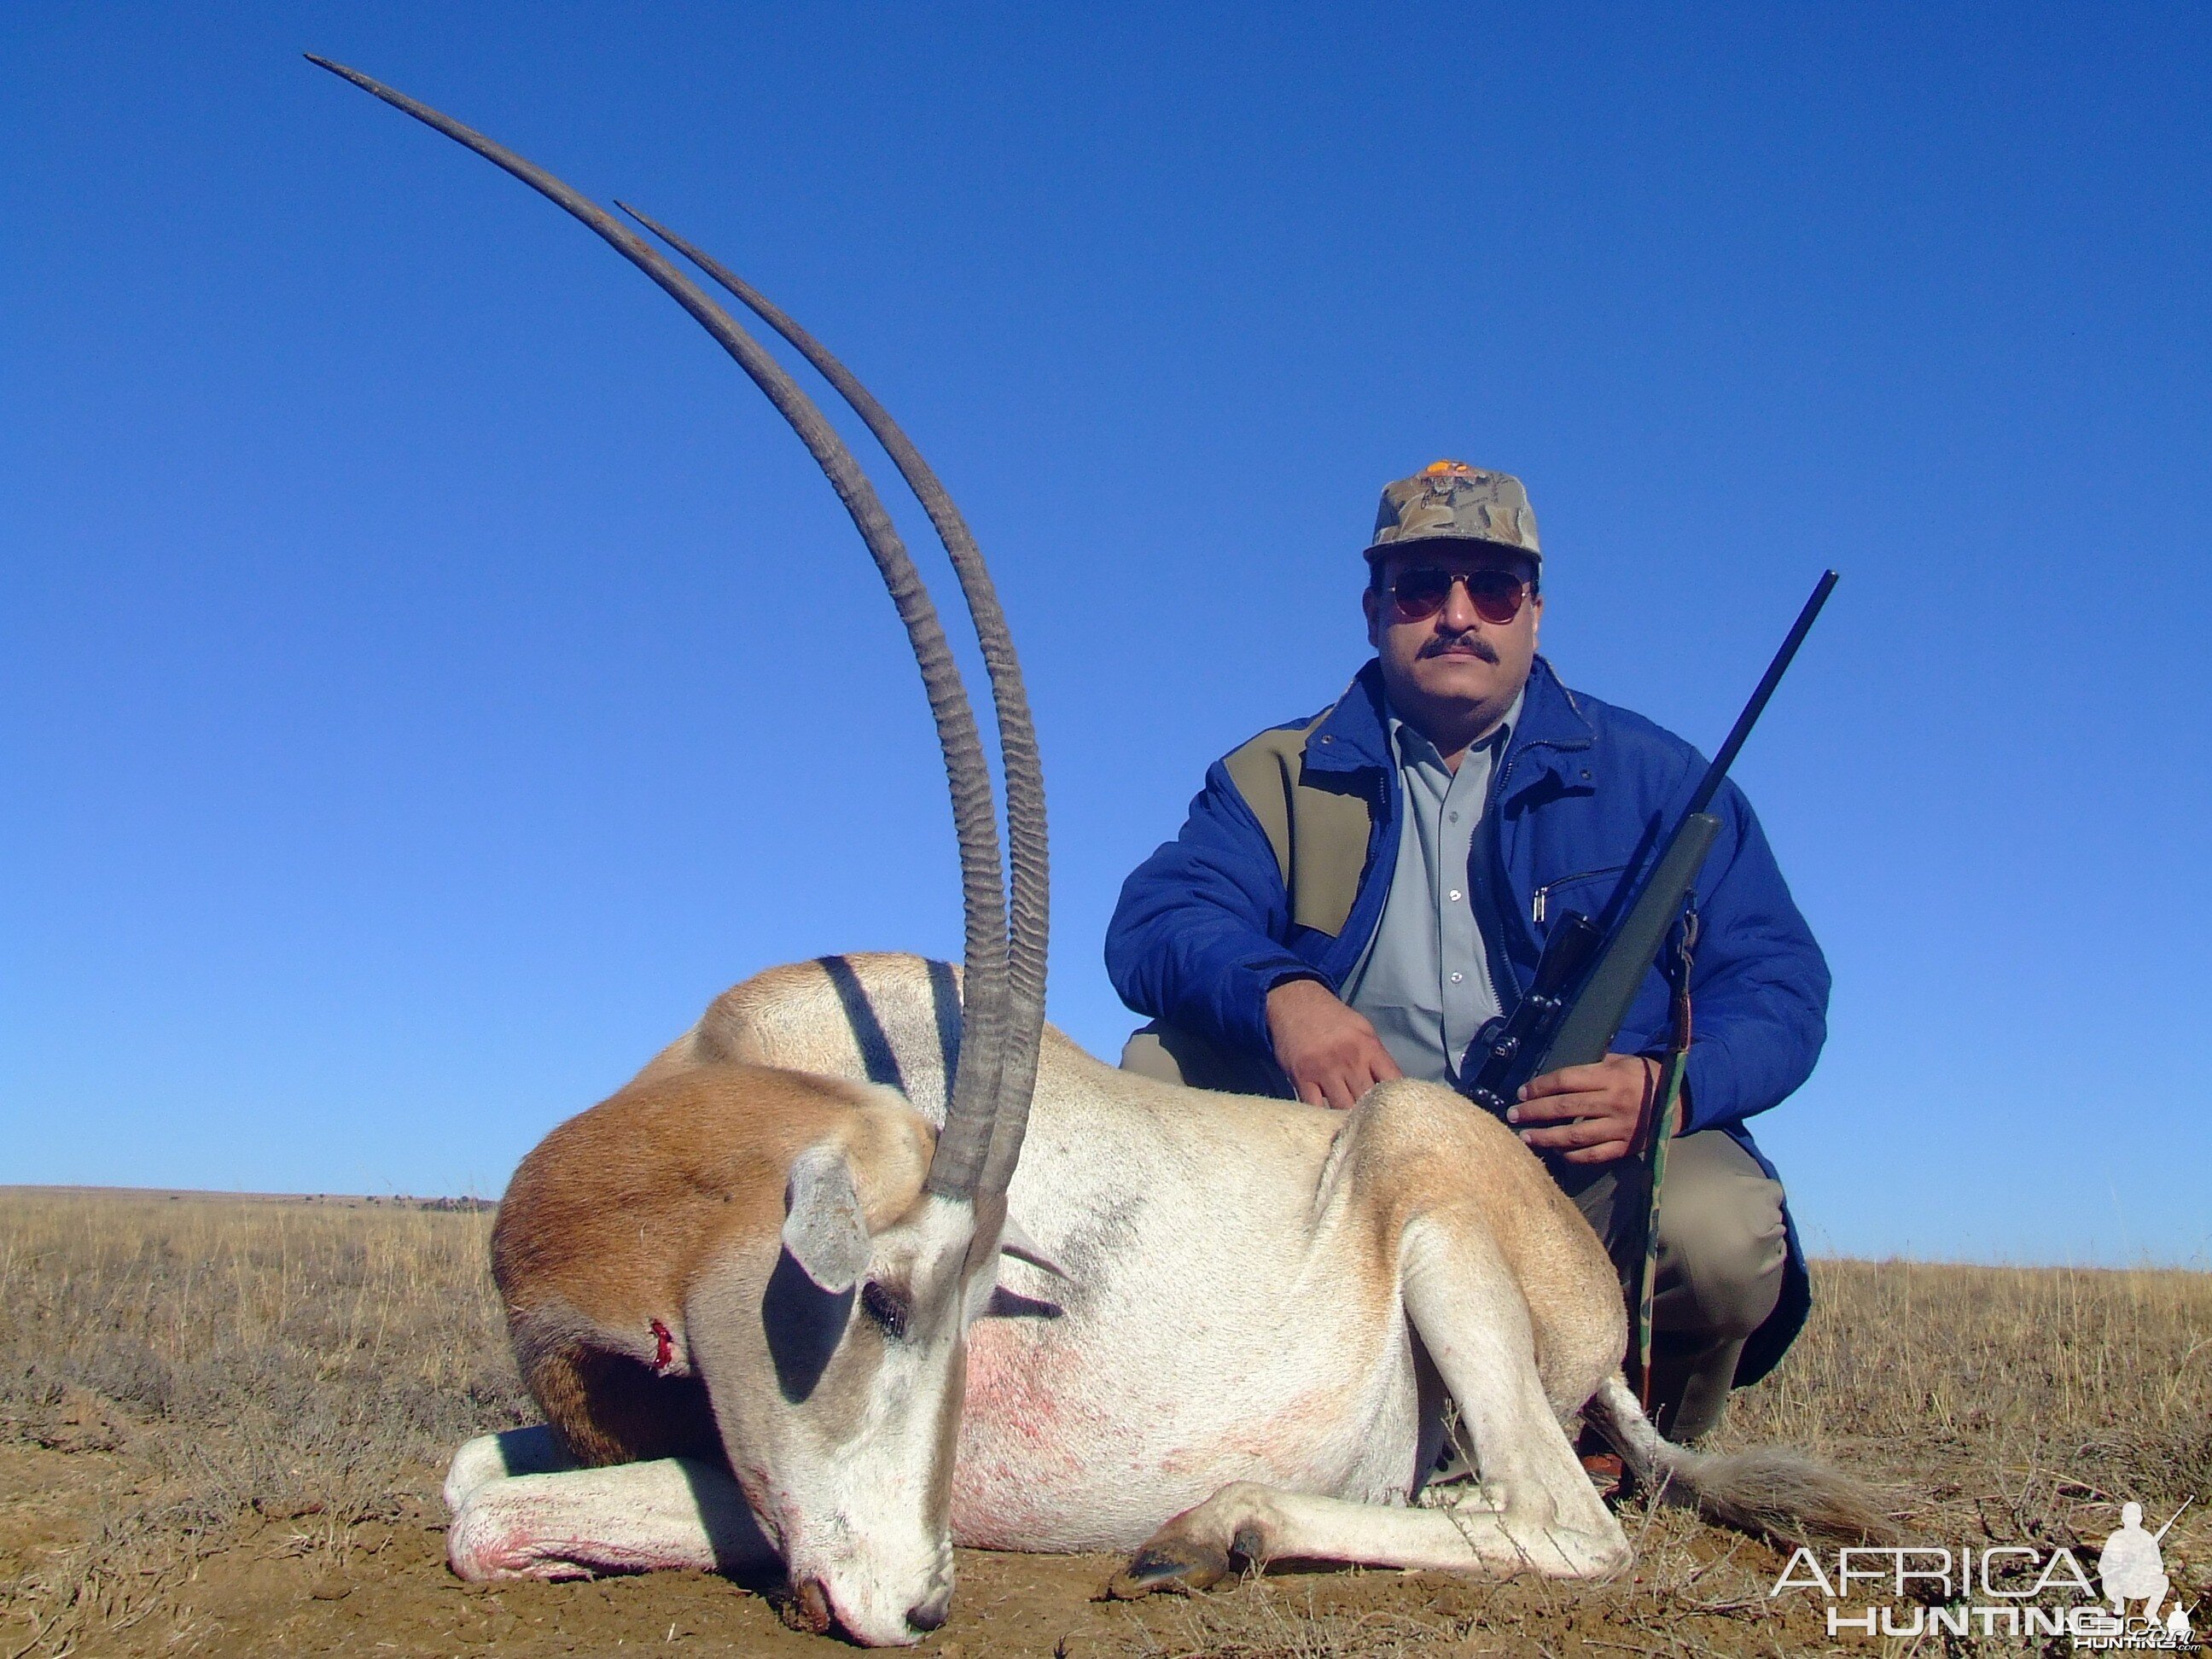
<point>1453,656</point>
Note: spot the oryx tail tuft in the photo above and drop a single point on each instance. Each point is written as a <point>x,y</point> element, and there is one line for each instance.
<point>1768,1491</point>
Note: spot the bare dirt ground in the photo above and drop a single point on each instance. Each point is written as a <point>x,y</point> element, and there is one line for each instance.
<point>223,1422</point>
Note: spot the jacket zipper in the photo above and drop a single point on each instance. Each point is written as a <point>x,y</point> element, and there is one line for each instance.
<point>1491,833</point>
<point>1536,901</point>
<point>1496,948</point>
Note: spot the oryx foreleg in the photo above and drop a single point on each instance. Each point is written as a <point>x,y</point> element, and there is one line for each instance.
<point>490,1457</point>
<point>628,1517</point>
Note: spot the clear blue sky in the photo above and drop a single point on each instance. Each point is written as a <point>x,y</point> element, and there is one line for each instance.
<point>428,671</point>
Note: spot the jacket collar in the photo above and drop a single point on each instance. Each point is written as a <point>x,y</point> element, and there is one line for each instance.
<point>1553,733</point>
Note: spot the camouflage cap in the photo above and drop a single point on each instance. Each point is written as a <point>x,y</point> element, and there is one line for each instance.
<point>1450,500</point>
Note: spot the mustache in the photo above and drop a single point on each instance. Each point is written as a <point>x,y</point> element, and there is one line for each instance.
<point>1473,644</point>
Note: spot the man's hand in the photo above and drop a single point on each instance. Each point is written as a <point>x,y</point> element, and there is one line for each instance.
<point>1596,1109</point>
<point>1331,1053</point>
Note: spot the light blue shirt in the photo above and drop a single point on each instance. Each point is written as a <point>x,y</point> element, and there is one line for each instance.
<point>1423,980</point>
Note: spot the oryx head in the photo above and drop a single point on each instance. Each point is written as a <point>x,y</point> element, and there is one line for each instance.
<point>850,1363</point>
<point>829,1325</point>
<point>844,1435</point>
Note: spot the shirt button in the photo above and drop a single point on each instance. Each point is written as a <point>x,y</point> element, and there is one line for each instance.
<point>1455,978</point>
<point>1454,817</point>
<point>1455,893</point>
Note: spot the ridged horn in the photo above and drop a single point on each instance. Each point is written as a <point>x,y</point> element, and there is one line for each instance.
<point>1024,773</point>
<point>962,1148</point>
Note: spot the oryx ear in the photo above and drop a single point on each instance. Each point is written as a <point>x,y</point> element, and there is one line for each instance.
<point>987,1297</point>
<point>823,1226</point>
<point>1013,1242</point>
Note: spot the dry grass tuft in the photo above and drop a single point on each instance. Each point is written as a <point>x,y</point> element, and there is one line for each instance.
<point>225,1362</point>
<point>2014,1404</point>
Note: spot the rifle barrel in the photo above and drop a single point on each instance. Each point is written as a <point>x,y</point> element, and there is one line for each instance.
<point>2159,1536</point>
<point>1726,755</point>
<point>1582,1031</point>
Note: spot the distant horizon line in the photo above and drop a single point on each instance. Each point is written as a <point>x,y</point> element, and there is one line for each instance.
<point>333,1201</point>
<point>469,1204</point>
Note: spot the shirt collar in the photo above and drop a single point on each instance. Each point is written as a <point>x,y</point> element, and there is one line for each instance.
<point>1412,748</point>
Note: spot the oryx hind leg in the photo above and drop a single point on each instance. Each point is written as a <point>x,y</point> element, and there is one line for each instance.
<point>1467,1307</point>
<point>1245,1525</point>
<point>1536,1511</point>
<point>674,1512</point>
<point>1478,1234</point>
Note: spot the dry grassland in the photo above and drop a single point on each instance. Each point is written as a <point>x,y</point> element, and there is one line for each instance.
<point>222,1425</point>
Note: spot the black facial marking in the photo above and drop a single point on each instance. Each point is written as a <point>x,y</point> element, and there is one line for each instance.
<point>804,1323</point>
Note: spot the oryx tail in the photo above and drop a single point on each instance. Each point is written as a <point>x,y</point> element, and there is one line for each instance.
<point>1767,1491</point>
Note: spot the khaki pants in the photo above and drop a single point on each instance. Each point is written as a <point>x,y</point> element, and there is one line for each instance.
<point>1722,1243</point>
<point>1721,1247</point>
<point>1174,1055</point>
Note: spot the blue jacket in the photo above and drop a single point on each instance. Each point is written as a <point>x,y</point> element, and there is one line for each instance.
<point>1259,888</point>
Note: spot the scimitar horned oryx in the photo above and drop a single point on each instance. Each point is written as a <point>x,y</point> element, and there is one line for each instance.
<point>860,1267</point>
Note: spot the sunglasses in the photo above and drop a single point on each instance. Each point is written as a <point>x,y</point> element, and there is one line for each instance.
<point>1417,594</point>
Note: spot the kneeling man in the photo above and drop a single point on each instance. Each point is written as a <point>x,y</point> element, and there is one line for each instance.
<point>1355,894</point>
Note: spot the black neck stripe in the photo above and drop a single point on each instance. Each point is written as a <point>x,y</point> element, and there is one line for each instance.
<point>867,1031</point>
<point>944,999</point>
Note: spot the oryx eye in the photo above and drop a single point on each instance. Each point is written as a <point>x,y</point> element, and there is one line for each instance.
<point>887,1307</point>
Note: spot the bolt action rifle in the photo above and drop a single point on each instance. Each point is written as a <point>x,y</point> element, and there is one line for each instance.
<point>1588,976</point>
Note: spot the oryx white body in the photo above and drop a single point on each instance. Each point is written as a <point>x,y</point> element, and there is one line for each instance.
<point>1260,1309</point>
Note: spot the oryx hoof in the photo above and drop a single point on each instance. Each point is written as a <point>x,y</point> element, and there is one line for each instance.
<point>1187,1554</point>
<point>1201,1546</point>
<point>1171,1567</point>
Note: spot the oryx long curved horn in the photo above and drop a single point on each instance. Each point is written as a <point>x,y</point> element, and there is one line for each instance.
<point>964,1146</point>
<point>1025,810</point>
